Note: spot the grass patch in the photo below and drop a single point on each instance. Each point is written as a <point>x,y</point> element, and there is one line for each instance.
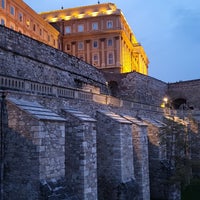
<point>192,191</point>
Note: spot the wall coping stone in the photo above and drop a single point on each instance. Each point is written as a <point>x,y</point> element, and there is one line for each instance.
<point>154,122</point>
<point>36,110</point>
<point>78,114</point>
<point>135,120</point>
<point>115,117</point>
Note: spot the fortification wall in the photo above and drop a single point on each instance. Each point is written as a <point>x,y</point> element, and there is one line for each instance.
<point>27,59</point>
<point>34,72</point>
<point>137,87</point>
<point>188,90</point>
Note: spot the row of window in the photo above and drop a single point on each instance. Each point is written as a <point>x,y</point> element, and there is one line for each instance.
<point>95,44</point>
<point>27,22</point>
<point>20,18</point>
<point>96,59</point>
<point>47,37</point>
<point>12,8</point>
<point>95,26</point>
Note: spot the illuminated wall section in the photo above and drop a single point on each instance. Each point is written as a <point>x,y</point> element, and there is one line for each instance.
<point>123,56</point>
<point>20,17</point>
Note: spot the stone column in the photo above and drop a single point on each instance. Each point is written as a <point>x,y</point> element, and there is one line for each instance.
<point>74,48</point>
<point>88,51</point>
<point>103,61</point>
<point>118,50</point>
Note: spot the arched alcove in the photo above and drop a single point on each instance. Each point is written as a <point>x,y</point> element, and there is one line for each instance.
<point>179,103</point>
<point>113,87</point>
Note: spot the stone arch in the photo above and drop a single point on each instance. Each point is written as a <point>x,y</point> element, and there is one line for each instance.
<point>113,87</point>
<point>179,103</point>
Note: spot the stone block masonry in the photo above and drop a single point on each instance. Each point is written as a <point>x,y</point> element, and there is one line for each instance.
<point>42,149</point>
<point>35,149</point>
<point>157,158</point>
<point>140,156</point>
<point>115,156</point>
<point>25,58</point>
<point>80,154</point>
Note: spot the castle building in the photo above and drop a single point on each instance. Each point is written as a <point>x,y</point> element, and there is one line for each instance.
<point>17,15</point>
<point>100,35</point>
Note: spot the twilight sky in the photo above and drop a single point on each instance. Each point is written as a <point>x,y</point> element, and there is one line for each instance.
<point>168,30</point>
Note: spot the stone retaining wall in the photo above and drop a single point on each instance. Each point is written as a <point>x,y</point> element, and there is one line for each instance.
<point>28,59</point>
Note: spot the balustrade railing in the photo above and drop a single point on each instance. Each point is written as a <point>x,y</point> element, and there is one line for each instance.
<point>10,83</point>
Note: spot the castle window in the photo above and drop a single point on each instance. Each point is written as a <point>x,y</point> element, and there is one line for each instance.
<point>80,28</point>
<point>109,24</point>
<point>12,10</point>
<point>80,46</point>
<point>95,26</point>
<point>95,44</point>
<point>12,26</point>
<point>68,47</point>
<point>67,29</point>
<point>20,17</point>
<point>95,59</point>
<point>34,27</point>
<point>28,23</point>
<point>110,58</point>
<point>3,22</point>
<point>110,42</point>
<point>3,4</point>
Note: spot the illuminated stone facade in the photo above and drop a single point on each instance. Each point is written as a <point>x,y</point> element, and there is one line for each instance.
<point>58,139</point>
<point>100,35</point>
<point>17,15</point>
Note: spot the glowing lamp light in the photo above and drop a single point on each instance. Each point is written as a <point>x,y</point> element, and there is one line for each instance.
<point>54,19</point>
<point>80,16</point>
<point>27,22</point>
<point>67,17</point>
<point>162,105</point>
<point>165,102</point>
<point>109,12</point>
<point>94,14</point>
<point>165,99</point>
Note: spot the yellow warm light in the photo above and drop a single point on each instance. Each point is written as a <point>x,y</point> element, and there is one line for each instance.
<point>80,16</point>
<point>165,99</point>
<point>162,105</point>
<point>109,12</point>
<point>67,17</point>
<point>53,19</point>
<point>94,14</point>
<point>28,22</point>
